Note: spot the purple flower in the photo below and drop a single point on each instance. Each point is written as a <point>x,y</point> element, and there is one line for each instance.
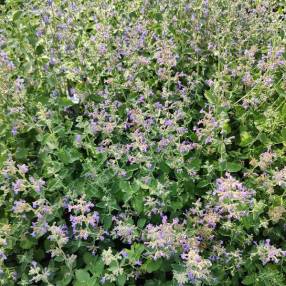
<point>124,253</point>
<point>23,168</point>
<point>54,93</point>
<point>19,206</point>
<point>158,105</point>
<point>34,263</point>
<point>78,138</point>
<point>14,275</point>
<point>280,52</point>
<point>60,36</point>
<point>185,147</point>
<point>40,32</point>
<point>168,122</point>
<point>209,139</point>
<point>123,173</point>
<point>46,19</point>
<point>74,221</point>
<point>39,228</point>
<point>94,219</point>
<point>52,61</point>
<point>191,276</point>
<point>17,185</point>
<point>73,6</point>
<point>19,84</point>
<point>186,247</point>
<point>141,99</point>
<point>268,81</point>
<point>2,255</point>
<point>102,49</point>
<point>138,262</point>
<point>14,131</point>
<point>210,82</point>
<point>248,79</point>
<point>182,130</point>
<point>164,219</point>
<point>37,184</point>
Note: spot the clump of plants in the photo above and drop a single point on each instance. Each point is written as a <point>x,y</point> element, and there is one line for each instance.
<point>142,142</point>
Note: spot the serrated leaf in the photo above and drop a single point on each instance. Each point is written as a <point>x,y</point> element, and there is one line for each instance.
<point>63,101</point>
<point>152,266</point>
<point>195,164</point>
<point>141,222</point>
<point>97,268</point>
<point>121,280</point>
<point>89,259</point>
<point>82,276</point>
<point>245,138</point>
<point>68,156</point>
<point>138,204</point>
<point>107,221</point>
<point>249,280</point>
<point>27,243</point>
<point>21,153</point>
<point>233,166</point>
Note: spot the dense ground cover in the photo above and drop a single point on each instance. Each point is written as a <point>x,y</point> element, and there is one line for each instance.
<point>142,142</point>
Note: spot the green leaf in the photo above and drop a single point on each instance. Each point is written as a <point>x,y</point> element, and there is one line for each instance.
<point>98,268</point>
<point>107,221</point>
<point>54,184</point>
<point>203,183</point>
<point>283,134</point>
<point>28,67</point>
<point>233,166</point>
<point>68,156</point>
<point>17,15</point>
<point>27,243</point>
<point>152,266</point>
<point>283,110</point>
<point>65,281</point>
<point>265,139</point>
<point>63,101</point>
<point>82,275</point>
<point>89,259</point>
<point>212,99</point>
<point>248,222</point>
<point>245,138</point>
<point>121,280</point>
<point>21,153</point>
<point>51,141</point>
<point>142,185</point>
<point>249,280</point>
<point>141,222</point>
<point>126,190</point>
<point>137,204</point>
<point>195,164</point>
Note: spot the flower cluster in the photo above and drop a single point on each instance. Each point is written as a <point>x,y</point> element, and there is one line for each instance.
<point>232,196</point>
<point>42,211</point>
<point>58,234</point>
<point>124,229</point>
<point>38,274</point>
<point>280,177</point>
<point>268,252</point>
<point>142,142</point>
<point>266,159</point>
<point>82,218</point>
<point>196,266</point>
<point>164,239</point>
